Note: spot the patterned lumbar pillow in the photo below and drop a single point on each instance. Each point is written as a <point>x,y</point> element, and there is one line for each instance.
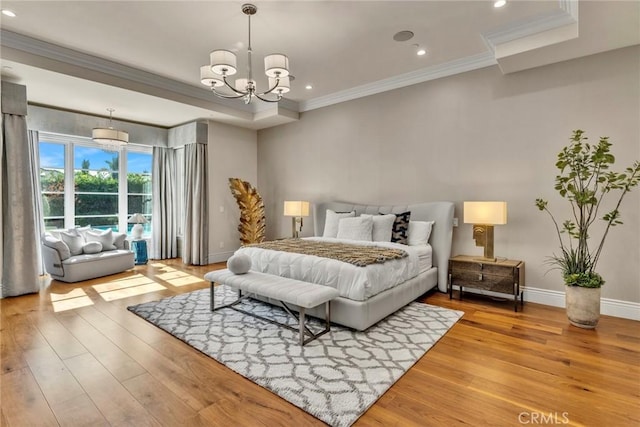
<point>73,240</point>
<point>400,231</point>
<point>105,238</point>
<point>92,247</point>
<point>57,244</point>
<point>239,264</point>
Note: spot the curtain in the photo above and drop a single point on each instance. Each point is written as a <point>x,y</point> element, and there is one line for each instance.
<point>34,161</point>
<point>164,219</point>
<point>196,222</point>
<point>20,239</point>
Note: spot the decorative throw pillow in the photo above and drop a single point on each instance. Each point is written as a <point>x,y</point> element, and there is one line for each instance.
<point>73,240</point>
<point>382,227</point>
<point>118,240</point>
<point>239,264</point>
<point>419,232</point>
<point>400,232</point>
<point>358,228</point>
<point>331,222</point>
<point>104,237</point>
<point>92,247</point>
<point>57,244</point>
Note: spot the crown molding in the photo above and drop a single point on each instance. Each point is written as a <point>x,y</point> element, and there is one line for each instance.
<point>470,63</point>
<point>567,14</point>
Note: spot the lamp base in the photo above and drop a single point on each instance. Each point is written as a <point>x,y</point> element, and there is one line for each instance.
<point>136,232</point>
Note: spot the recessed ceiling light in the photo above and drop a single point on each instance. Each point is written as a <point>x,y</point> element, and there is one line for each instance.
<point>308,87</point>
<point>421,52</point>
<point>499,3</point>
<point>9,13</point>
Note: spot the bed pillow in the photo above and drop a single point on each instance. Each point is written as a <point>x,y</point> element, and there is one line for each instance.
<point>92,247</point>
<point>57,244</point>
<point>357,228</point>
<point>73,240</point>
<point>419,232</point>
<point>331,222</point>
<point>400,231</point>
<point>105,238</point>
<point>382,227</point>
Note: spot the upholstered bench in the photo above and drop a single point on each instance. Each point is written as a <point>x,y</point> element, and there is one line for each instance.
<point>287,291</point>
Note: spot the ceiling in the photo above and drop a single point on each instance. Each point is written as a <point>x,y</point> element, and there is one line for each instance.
<point>143,57</point>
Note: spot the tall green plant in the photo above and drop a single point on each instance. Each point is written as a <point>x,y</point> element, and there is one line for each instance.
<point>584,180</point>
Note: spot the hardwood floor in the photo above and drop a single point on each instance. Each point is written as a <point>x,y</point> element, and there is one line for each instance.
<point>73,355</point>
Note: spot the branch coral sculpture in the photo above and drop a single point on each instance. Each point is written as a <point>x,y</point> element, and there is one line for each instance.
<point>252,220</point>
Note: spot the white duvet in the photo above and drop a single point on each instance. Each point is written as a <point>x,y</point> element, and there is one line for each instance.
<point>356,283</point>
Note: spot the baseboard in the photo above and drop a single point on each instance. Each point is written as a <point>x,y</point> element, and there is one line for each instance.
<point>219,257</point>
<point>608,306</point>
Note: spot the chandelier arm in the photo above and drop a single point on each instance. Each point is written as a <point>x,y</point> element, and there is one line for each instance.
<point>265,99</point>
<point>219,95</point>
<point>239,92</point>
<point>272,89</point>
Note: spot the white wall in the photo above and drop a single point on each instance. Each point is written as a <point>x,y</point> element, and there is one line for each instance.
<point>475,136</point>
<point>232,154</point>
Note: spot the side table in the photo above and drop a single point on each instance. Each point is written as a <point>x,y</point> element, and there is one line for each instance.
<point>505,276</point>
<point>139,248</point>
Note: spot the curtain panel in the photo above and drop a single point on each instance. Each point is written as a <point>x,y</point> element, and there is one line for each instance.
<point>165,202</point>
<point>20,235</point>
<point>195,246</point>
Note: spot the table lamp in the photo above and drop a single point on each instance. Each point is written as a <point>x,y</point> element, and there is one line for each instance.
<point>296,210</point>
<point>483,216</point>
<point>137,229</point>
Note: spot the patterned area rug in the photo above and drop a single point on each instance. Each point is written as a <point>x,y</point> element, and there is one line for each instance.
<point>335,378</point>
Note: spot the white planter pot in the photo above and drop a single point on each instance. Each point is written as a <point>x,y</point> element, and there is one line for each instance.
<point>583,306</point>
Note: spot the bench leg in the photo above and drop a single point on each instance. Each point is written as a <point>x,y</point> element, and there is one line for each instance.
<point>302,325</point>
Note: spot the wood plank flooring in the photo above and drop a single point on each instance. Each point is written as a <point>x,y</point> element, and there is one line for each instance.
<point>74,356</point>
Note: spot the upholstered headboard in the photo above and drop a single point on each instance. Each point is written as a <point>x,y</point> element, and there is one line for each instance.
<point>441,235</point>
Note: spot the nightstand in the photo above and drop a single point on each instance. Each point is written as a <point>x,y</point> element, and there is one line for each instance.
<point>504,276</point>
<point>139,248</point>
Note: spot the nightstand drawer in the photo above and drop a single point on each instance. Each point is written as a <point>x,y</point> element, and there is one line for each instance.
<point>482,268</point>
<point>489,282</point>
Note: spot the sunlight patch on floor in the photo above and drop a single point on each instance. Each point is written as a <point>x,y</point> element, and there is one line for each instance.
<point>73,299</point>
<point>127,287</point>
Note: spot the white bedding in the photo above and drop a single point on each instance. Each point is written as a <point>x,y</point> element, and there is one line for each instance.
<point>356,283</point>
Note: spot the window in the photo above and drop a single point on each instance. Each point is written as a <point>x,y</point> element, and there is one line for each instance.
<point>52,160</point>
<point>82,183</point>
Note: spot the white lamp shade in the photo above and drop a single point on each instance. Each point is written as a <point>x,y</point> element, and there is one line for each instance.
<point>137,219</point>
<point>209,78</point>
<point>241,84</point>
<point>284,85</point>
<point>223,62</point>
<point>276,65</point>
<point>109,136</point>
<point>296,208</point>
<point>488,213</point>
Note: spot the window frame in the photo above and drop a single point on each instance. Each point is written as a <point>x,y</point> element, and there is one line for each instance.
<point>70,142</point>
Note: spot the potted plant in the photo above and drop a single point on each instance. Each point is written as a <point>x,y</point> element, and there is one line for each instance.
<point>586,181</point>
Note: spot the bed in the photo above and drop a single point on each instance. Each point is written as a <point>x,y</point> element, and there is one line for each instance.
<point>359,308</point>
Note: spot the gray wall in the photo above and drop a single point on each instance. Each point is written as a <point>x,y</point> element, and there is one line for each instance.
<point>232,154</point>
<point>475,136</point>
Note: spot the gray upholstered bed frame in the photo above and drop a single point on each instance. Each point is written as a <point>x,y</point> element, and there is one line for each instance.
<point>362,314</point>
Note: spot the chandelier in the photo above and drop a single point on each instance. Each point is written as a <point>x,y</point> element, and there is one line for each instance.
<point>110,138</point>
<point>223,65</point>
